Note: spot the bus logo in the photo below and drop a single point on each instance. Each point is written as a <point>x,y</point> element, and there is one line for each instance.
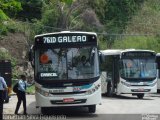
<point>48,74</point>
<point>76,89</point>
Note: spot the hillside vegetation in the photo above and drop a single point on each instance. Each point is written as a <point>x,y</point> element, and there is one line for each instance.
<point>118,23</point>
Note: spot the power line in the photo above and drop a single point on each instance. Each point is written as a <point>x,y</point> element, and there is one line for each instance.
<point>115,34</point>
<point>99,33</point>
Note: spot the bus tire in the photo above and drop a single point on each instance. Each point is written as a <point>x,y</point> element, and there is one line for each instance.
<point>109,90</point>
<point>140,96</point>
<point>6,100</point>
<point>92,108</point>
<point>44,110</point>
<point>6,97</point>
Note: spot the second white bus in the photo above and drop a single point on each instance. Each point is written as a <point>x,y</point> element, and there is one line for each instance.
<point>128,72</point>
<point>158,69</point>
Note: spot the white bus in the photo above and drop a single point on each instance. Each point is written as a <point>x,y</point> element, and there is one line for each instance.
<point>158,68</point>
<point>128,72</point>
<point>60,77</point>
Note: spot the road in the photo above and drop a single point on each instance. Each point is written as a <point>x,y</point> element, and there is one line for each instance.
<point>124,107</point>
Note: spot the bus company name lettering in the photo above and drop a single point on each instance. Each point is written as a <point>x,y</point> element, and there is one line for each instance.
<point>65,39</point>
<point>48,74</point>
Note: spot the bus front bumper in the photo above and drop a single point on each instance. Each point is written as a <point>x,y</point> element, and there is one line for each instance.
<point>124,89</point>
<point>68,100</point>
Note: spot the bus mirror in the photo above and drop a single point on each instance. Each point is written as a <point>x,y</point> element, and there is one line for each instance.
<point>157,66</point>
<point>120,63</point>
<point>30,56</point>
<point>30,53</point>
<point>100,58</point>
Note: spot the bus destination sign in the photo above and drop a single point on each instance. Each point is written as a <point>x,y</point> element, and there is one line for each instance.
<point>64,39</point>
<point>138,54</point>
<point>67,40</point>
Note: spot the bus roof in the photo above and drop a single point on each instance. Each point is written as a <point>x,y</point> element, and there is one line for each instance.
<point>81,32</point>
<point>158,54</point>
<point>119,51</point>
<point>111,52</point>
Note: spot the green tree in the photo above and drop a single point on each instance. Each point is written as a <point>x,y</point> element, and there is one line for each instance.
<point>8,8</point>
<point>114,16</point>
<point>31,10</point>
<point>67,15</point>
<point>138,42</point>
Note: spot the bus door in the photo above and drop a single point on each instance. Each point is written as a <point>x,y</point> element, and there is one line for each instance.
<point>115,71</point>
<point>112,73</point>
<point>158,70</point>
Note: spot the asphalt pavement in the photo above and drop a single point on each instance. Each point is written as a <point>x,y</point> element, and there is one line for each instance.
<point>124,107</point>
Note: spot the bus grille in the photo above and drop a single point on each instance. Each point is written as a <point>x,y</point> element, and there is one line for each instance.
<point>68,93</point>
<point>137,90</point>
<point>74,102</point>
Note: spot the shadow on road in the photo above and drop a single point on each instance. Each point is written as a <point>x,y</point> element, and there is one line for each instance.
<point>118,97</point>
<point>155,95</point>
<point>70,112</point>
<point>78,112</point>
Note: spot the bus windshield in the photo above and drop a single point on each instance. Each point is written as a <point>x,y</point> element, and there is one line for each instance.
<point>67,63</point>
<point>138,68</point>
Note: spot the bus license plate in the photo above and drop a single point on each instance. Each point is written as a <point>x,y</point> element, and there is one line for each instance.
<point>57,91</point>
<point>68,100</point>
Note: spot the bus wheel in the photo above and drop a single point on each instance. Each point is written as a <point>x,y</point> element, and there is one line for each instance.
<point>140,96</point>
<point>92,108</point>
<point>7,100</point>
<point>44,110</point>
<point>109,90</point>
<point>6,97</point>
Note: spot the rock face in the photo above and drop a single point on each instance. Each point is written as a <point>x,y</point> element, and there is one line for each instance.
<point>17,46</point>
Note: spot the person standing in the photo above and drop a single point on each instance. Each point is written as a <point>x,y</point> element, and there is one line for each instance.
<point>21,94</point>
<point>3,86</point>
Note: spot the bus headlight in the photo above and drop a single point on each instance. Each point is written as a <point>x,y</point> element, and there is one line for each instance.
<point>42,92</point>
<point>153,84</point>
<point>125,83</point>
<point>92,90</point>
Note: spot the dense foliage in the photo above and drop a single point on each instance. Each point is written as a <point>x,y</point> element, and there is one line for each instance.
<point>109,18</point>
<point>31,9</point>
<point>8,9</point>
<point>120,24</point>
